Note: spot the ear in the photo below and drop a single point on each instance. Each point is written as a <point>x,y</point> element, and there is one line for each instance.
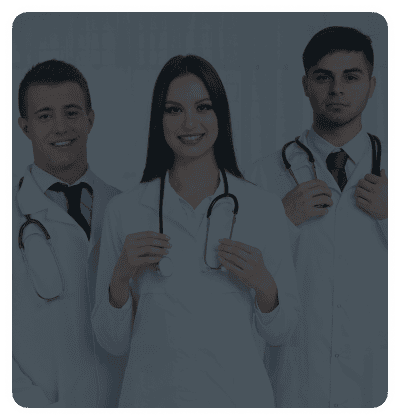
<point>23,123</point>
<point>304,81</point>
<point>90,117</point>
<point>372,85</point>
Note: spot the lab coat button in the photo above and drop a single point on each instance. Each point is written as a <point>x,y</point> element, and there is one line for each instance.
<point>339,306</point>
<point>336,405</point>
<point>336,355</point>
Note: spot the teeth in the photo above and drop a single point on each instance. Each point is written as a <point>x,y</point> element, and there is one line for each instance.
<point>62,143</point>
<point>191,138</point>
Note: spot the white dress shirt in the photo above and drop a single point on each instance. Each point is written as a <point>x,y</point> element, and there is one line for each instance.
<point>45,180</point>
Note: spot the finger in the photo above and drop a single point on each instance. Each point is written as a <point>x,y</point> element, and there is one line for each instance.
<point>233,259</point>
<point>363,205</point>
<point>148,251</point>
<point>373,179</point>
<point>230,267</point>
<point>367,186</point>
<point>312,184</point>
<point>135,261</point>
<point>152,242</point>
<point>320,190</point>
<point>232,250</point>
<point>148,234</point>
<point>365,195</point>
<point>321,200</point>
<point>315,211</point>
<point>249,249</point>
<point>150,260</point>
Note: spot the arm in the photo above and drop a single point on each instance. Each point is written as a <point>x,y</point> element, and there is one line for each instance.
<point>112,324</point>
<point>277,326</point>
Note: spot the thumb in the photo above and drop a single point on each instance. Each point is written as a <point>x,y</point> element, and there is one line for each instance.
<point>383,173</point>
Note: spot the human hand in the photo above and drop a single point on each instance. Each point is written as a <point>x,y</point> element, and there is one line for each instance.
<point>141,250</point>
<point>308,199</point>
<point>247,263</point>
<point>372,195</point>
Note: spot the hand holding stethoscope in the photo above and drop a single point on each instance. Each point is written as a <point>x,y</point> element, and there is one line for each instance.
<point>312,198</point>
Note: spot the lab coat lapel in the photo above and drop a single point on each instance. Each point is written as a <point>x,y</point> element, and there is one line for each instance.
<point>151,198</point>
<point>31,200</point>
<point>363,168</point>
<point>98,208</point>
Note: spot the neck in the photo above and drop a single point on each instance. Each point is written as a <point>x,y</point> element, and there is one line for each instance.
<point>335,134</point>
<point>68,174</point>
<point>195,178</point>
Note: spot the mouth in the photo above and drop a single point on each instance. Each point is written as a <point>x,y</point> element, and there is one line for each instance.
<point>191,139</point>
<point>337,105</point>
<point>65,143</point>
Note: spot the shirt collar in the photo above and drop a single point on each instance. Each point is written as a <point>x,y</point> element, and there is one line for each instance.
<point>44,180</point>
<point>172,197</point>
<point>354,148</point>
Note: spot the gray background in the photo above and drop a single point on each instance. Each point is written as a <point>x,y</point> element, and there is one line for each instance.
<point>257,55</point>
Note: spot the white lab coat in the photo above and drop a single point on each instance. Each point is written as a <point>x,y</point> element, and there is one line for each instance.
<point>338,354</point>
<point>56,360</point>
<point>198,339</point>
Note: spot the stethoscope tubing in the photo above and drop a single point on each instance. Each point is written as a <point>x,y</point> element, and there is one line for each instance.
<point>376,156</point>
<point>226,194</point>
<point>29,221</point>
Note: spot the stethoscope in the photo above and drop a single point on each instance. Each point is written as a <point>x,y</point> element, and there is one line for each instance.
<point>165,266</point>
<point>376,158</point>
<point>55,286</point>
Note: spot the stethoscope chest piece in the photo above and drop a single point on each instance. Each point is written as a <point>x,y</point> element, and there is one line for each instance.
<point>166,267</point>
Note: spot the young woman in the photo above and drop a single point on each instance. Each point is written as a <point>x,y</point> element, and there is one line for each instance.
<point>196,332</point>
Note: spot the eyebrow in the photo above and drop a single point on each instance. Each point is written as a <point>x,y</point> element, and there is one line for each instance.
<point>328,72</point>
<point>46,108</point>
<point>197,102</point>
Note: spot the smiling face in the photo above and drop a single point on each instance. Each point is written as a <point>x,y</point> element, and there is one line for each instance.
<point>189,122</point>
<point>339,87</point>
<point>57,124</point>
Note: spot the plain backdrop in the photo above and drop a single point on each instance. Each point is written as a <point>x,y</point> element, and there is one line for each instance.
<point>257,55</point>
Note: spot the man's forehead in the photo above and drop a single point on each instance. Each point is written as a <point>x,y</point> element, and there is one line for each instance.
<point>342,60</point>
<point>55,95</point>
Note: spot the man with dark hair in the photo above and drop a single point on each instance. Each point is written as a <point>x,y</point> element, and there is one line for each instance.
<point>58,209</point>
<point>338,218</point>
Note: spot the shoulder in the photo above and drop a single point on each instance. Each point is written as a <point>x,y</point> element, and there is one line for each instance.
<point>274,158</point>
<point>132,198</point>
<point>255,196</point>
<point>108,190</point>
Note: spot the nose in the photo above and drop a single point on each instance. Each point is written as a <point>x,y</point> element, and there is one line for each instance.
<point>337,87</point>
<point>190,119</point>
<point>61,124</point>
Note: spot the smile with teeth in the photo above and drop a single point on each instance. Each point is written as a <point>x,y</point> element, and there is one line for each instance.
<point>190,138</point>
<point>63,143</point>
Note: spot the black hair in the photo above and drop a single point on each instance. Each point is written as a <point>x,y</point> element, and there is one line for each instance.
<point>160,156</point>
<point>337,38</point>
<point>51,72</point>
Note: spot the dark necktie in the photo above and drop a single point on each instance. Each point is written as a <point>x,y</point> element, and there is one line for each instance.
<point>336,163</point>
<point>73,196</point>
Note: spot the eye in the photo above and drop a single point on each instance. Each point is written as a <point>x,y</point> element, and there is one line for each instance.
<point>44,117</point>
<point>173,110</point>
<point>351,77</point>
<point>204,107</point>
<point>322,78</point>
<point>72,114</point>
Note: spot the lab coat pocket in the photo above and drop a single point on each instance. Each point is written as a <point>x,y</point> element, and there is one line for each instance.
<point>42,265</point>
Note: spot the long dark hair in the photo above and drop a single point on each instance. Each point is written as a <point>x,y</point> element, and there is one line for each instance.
<point>160,156</point>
